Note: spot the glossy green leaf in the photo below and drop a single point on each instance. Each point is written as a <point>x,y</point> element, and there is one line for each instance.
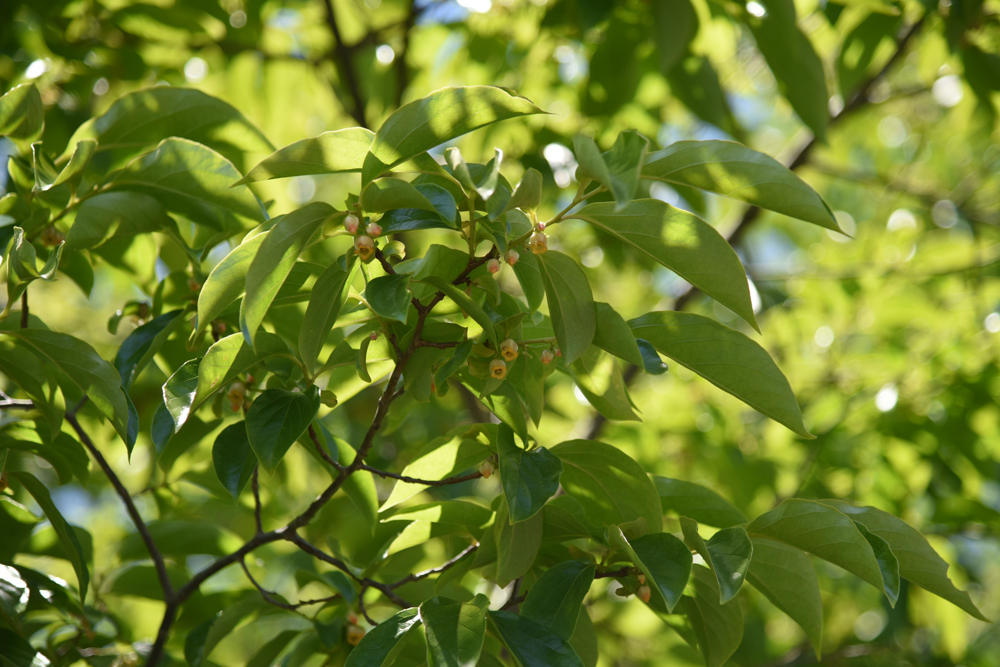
<point>443,457</point>
<point>179,392</point>
<point>227,280</point>
<point>676,24</point>
<point>138,349</point>
<point>532,644</point>
<point>71,173</point>
<point>529,478</point>
<point>733,170</point>
<point>600,380</point>
<point>193,180</point>
<point>88,371</point>
<point>617,169</point>
<point>274,259</point>
<point>682,242</point>
<point>115,215</point>
<point>556,599</point>
<point>664,560</point>
<point>718,628</point>
<point>230,357</point>
<point>517,545</point>
<point>528,193</point>
<point>651,361</point>
<point>506,405</point>
<point>276,419</point>
<point>233,458</point>
<point>447,511</point>
<point>728,553</point>
<point>67,535</point>
<point>21,367</point>
<point>15,651</point>
<point>377,648</point>
<point>384,194</point>
<point>22,115</point>
<point>610,485</point>
<point>614,335</point>
<point>726,358</point>
<point>528,270</point>
<point>139,120</point>
<point>571,303</point>
<point>787,578</point>
<point>340,151</point>
<point>325,302</point>
<point>439,117</point>
<point>466,303</point>
<point>918,562</point>
<point>454,631</point>
<point>411,220</point>
<point>22,267</point>
<point>887,563</point>
<point>698,502</point>
<point>794,63</point>
<point>360,486</point>
<point>389,296</point>
<point>822,531</point>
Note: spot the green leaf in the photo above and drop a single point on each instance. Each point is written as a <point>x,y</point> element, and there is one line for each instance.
<point>115,215</point>
<point>447,511</point>
<point>517,545</point>
<point>376,649</point>
<point>455,632</point>
<point>233,458</point>
<point>664,560</point>
<point>918,562</point>
<point>529,478</point>
<point>887,563</point>
<point>411,220</point>
<point>651,362</point>
<point>466,303</point>
<point>528,270</point>
<point>794,63</point>
<point>698,502</point>
<point>337,152</point>
<point>88,371</point>
<point>532,644</point>
<point>618,169</point>
<point>571,303</point>
<point>614,335</point>
<point>193,180</point>
<point>228,358</point>
<point>79,160</point>
<point>676,24</point>
<point>274,259</point>
<point>22,267</point>
<point>179,392</point>
<point>141,119</point>
<point>600,380</point>
<point>718,628</point>
<point>733,170</point>
<point>822,531</point>
<point>360,486</point>
<point>67,536</point>
<point>227,280</point>
<point>138,349</point>
<point>22,115</point>
<point>328,296</point>
<point>695,83</point>
<point>20,366</point>
<point>610,485</point>
<point>528,193</point>
<point>16,651</point>
<point>389,296</point>
<point>177,538</point>
<point>505,404</point>
<point>860,47</point>
<point>276,419</point>
<point>439,117</point>
<point>786,577</point>
<point>726,358</point>
<point>443,457</point>
<point>682,242</point>
<point>452,366</point>
<point>556,599</point>
<point>728,553</point>
<point>385,194</point>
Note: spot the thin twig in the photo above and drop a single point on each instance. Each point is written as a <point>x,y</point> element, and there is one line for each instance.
<point>24,308</point>
<point>346,59</point>
<point>458,479</point>
<point>435,570</point>
<point>255,485</point>
<point>267,595</point>
<point>361,606</point>
<point>322,450</point>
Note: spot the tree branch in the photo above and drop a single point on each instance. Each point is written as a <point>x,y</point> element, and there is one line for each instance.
<point>458,479</point>
<point>435,570</point>
<point>346,58</point>
<point>24,308</point>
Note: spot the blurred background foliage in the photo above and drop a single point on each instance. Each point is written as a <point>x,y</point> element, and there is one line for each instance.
<point>890,338</point>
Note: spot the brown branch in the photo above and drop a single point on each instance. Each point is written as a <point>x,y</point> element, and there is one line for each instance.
<point>267,595</point>
<point>361,606</point>
<point>345,56</point>
<point>24,308</point>
<point>458,479</point>
<point>440,346</point>
<point>402,74</point>
<point>435,570</point>
<point>255,485</point>
<point>613,574</point>
<point>322,450</point>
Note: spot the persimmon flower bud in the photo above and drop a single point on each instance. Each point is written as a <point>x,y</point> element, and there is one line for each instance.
<point>237,394</point>
<point>512,256</point>
<point>364,247</point>
<point>539,243</point>
<point>355,634</point>
<point>644,593</point>
<point>493,266</point>
<point>373,335</point>
<point>508,349</point>
<point>51,237</point>
<point>540,226</point>
<point>558,352</point>
<point>373,229</point>
<point>498,369</point>
<point>351,223</point>
<point>486,468</point>
<point>641,577</point>
<point>547,357</point>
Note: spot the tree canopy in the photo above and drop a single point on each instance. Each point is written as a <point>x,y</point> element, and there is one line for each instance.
<point>523,332</point>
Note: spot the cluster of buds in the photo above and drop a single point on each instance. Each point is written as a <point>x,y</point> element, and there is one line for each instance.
<point>508,349</point>
<point>486,468</point>
<point>539,243</point>
<point>498,369</point>
<point>51,237</point>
